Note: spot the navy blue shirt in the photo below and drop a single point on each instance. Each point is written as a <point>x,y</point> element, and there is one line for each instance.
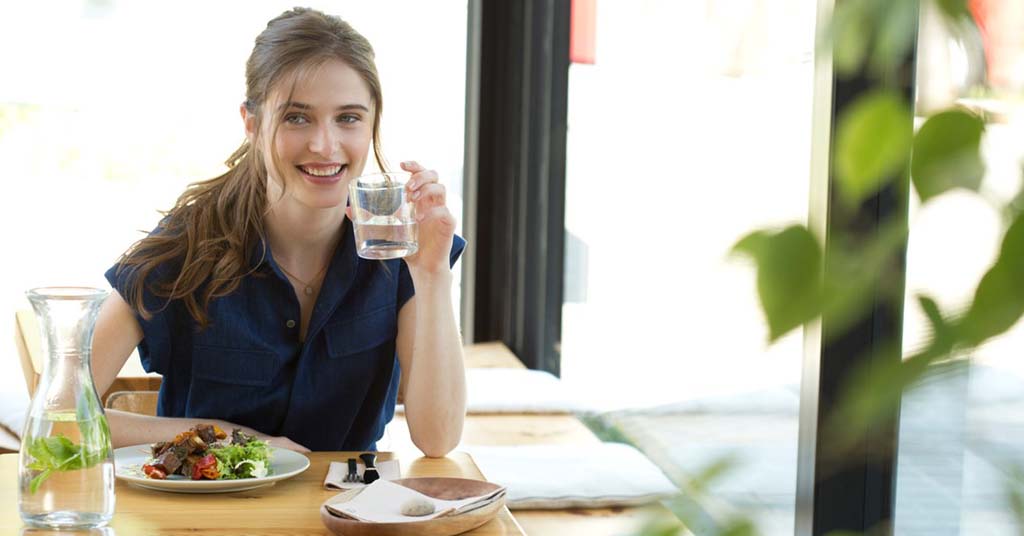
<point>334,391</point>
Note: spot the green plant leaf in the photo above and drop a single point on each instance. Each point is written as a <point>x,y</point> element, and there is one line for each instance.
<point>739,527</point>
<point>896,23</point>
<point>859,272</point>
<point>943,335</point>
<point>873,142</point>
<point>850,33</point>
<point>954,9</point>
<point>712,472</point>
<point>999,299</point>
<point>788,276</point>
<point>947,154</point>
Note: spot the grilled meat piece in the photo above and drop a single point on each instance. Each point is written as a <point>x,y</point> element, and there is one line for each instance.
<point>206,432</point>
<point>171,459</point>
<point>159,448</point>
<point>238,437</point>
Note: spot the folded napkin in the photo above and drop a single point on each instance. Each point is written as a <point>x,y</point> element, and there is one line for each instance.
<point>387,469</point>
<point>381,502</point>
<point>573,476</point>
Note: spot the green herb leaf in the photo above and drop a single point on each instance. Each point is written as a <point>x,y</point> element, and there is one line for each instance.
<point>58,453</point>
<point>873,142</point>
<point>947,154</point>
<point>33,486</point>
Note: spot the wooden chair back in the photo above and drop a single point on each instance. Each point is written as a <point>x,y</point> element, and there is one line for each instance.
<point>30,352</point>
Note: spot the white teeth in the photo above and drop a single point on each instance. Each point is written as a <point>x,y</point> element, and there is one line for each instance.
<point>322,172</point>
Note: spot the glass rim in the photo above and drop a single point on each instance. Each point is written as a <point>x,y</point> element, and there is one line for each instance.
<point>396,185</point>
<point>66,292</point>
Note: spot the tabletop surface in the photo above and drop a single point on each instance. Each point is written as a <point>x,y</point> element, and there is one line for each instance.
<point>290,507</point>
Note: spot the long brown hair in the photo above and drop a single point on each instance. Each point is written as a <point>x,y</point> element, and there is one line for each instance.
<point>210,233</point>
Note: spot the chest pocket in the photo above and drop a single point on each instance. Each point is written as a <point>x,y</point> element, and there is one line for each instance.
<point>352,337</point>
<point>254,368</point>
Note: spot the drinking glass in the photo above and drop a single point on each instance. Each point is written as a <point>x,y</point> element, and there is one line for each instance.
<point>383,216</point>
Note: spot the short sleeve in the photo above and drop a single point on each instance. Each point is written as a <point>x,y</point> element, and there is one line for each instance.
<point>155,347</point>
<point>405,287</point>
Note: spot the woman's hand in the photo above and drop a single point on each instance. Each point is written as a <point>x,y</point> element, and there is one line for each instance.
<point>436,223</point>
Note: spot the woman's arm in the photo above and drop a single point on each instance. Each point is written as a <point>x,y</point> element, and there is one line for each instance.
<point>433,375</point>
<point>133,429</point>
<point>429,345</point>
<point>117,333</point>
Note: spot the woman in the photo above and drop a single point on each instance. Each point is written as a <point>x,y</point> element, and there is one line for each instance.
<point>249,298</point>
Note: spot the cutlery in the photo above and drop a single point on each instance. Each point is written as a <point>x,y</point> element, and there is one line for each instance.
<point>370,473</point>
<point>353,474</point>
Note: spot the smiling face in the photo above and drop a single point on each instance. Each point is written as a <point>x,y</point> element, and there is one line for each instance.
<point>321,135</point>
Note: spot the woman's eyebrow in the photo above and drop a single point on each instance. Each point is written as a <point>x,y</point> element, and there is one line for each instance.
<point>304,106</point>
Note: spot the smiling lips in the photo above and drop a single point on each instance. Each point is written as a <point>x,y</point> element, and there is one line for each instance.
<point>322,173</point>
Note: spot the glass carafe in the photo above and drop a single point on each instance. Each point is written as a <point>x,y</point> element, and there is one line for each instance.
<point>66,471</point>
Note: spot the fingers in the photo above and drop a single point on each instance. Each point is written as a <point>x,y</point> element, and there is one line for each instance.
<point>420,175</point>
<point>412,166</point>
<point>429,195</point>
<point>438,215</point>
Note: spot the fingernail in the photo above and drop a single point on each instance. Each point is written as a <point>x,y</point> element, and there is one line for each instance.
<point>408,163</point>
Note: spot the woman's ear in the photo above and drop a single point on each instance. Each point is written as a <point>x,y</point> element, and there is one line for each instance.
<point>249,119</point>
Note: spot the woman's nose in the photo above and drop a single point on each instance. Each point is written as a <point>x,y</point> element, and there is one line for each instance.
<point>324,141</point>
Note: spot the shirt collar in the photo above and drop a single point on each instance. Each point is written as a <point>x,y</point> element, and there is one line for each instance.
<point>337,282</point>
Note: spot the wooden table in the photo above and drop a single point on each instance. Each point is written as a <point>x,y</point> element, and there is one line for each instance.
<point>288,508</point>
<point>522,429</point>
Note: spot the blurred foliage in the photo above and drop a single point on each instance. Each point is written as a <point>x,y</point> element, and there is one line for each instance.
<point>873,141</point>
<point>605,430</point>
<point>947,154</point>
<point>789,265</point>
<point>876,148</point>
<point>699,511</point>
<point>876,34</point>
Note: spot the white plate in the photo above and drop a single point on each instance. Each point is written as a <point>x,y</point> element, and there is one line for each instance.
<point>128,467</point>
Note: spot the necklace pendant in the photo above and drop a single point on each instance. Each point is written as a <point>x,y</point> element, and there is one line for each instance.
<point>308,290</point>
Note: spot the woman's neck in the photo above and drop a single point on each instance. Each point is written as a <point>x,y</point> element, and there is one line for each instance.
<point>301,237</point>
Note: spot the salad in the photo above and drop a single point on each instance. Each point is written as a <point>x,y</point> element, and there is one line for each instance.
<point>201,453</point>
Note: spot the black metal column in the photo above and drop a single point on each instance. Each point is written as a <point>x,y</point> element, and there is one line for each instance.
<point>520,177</point>
<point>856,491</point>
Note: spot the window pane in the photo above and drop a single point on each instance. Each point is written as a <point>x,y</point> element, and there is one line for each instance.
<point>962,429</point>
<point>106,124</point>
<point>677,147</point>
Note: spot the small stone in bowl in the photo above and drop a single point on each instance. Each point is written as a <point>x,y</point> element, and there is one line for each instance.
<point>417,507</point>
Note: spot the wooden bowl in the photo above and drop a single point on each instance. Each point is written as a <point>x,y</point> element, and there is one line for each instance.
<point>437,487</point>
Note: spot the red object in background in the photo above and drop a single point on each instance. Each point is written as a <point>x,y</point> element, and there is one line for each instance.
<point>582,29</point>
<point>1001,23</point>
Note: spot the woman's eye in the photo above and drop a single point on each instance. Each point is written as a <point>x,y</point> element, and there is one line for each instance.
<point>348,118</point>
<point>295,119</point>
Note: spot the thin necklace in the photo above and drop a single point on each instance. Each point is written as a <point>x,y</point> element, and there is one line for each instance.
<point>308,290</point>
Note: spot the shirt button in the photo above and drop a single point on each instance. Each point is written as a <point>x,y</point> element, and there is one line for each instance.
<point>290,324</point>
